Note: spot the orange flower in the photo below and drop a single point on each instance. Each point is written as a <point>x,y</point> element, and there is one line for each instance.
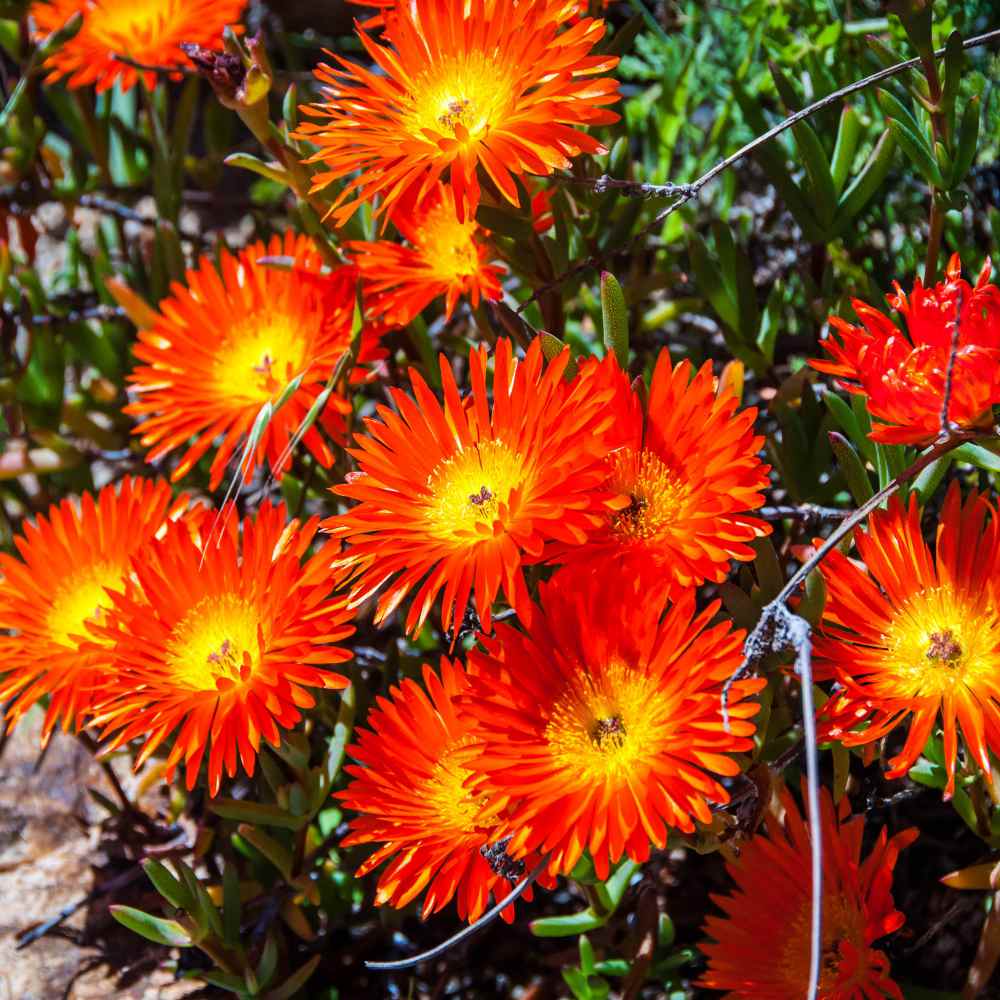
<point>689,465</point>
<point>914,635</point>
<point>53,596</point>
<point>461,84</point>
<point>415,798</point>
<point>458,497</point>
<point>231,342</point>
<point>903,374</point>
<point>760,947</point>
<point>445,257</point>
<point>148,31</point>
<point>601,726</point>
<point>221,643</point>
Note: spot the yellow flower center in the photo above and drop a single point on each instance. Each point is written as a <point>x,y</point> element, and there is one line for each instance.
<point>940,639</point>
<point>110,21</point>
<point>658,495</point>
<point>81,599</point>
<point>258,359</point>
<point>446,244</point>
<point>603,727</point>
<point>468,489</point>
<point>454,805</point>
<point>462,97</point>
<point>841,923</point>
<point>216,645</point>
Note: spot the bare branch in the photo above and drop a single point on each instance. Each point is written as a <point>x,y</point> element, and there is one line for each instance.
<point>949,376</point>
<point>465,932</point>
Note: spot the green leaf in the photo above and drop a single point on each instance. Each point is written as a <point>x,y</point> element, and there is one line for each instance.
<point>968,140</point>
<point>618,883</point>
<point>586,955</point>
<point>978,456</point>
<point>917,150</point>
<point>552,347</point>
<point>615,315</point>
<point>293,984</point>
<point>812,604</point>
<point>851,465</point>
<point>231,906</point>
<point>868,181</point>
<point>155,929</point>
<point>268,962</point>
<point>166,885</point>
<point>247,161</point>
<point>848,137</point>
<point>278,855</point>
<point>256,812</point>
<point>813,156</point>
<point>566,926</point>
<point>768,568</point>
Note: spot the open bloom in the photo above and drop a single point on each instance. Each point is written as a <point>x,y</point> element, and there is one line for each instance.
<point>413,788</point>
<point>233,341</point>
<point>601,725</point>
<point>688,465</point>
<point>60,588</point>
<point>147,31</point>
<point>760,946</point>
<point>444,257</point>
<point>915,637</point>
<point>903,374</point>
<point>461,84</point>
<point>221,641</point>
<point>458,497</point>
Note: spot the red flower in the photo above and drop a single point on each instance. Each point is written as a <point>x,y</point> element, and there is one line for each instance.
<point>903,374</point>
<point>760,947</point>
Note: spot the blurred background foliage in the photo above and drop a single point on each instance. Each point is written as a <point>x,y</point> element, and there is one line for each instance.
<point>123,191</point>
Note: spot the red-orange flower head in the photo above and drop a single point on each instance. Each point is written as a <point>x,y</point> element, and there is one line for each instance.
<point>231,342</point>
<point>147,31</point>
<point>601,725</point>
<point>458,497</point>
<point>461,84</point>
<point>221,643</point>
<point>415,796</point>
<point>916,637</point>
<point>760,946</point>
<point>689,470</point>
<point>444,257</point>
<point>904,374</point>
<point>59,589</point>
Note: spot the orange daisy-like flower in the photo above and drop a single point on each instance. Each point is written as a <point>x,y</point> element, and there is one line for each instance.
<point>903,374</point>
<point>415,795</point>
<point>147,31</point>
<point>461,84</point>
<point>601,726</point>
<point>231,342</point>
<point>688,464</point>
<point>53,596</point>
<point>221,642</point>
<point>916,636</point>
<point>458,497</point>
<point>444,257</point>
<point>771,903</point>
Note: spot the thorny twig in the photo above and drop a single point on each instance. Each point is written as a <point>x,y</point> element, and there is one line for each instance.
<point>465,932</point>
<point>802,512</point>
<point>633,189</point>
<point>949,375</point>
<point>689,191</point>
